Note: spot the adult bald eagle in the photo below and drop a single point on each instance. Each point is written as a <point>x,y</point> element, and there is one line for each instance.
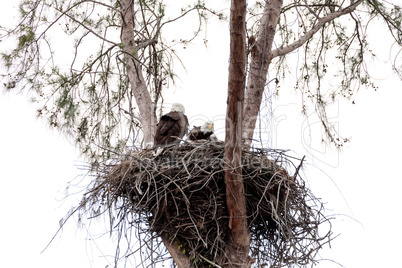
<point>172,126</point>
<point>201,133</point>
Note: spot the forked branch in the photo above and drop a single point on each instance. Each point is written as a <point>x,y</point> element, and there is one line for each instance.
<point>307,36</point>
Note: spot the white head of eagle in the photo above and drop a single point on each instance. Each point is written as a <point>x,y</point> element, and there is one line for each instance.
<point>207,127</point>
<point>178,107</point>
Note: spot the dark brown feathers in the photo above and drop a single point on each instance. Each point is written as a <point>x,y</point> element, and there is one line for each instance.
<point>196,134</point>
<point>171,126</point>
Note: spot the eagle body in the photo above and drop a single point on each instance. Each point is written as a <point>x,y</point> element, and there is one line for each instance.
<point>201,133</point>
<point>171,127</point>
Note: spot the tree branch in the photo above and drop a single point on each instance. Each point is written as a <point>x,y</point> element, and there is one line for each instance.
<point>262,54</point>
<point>259,67</point>
<point>134,73</point>
<point>321,21</point>
<point>180,259</point>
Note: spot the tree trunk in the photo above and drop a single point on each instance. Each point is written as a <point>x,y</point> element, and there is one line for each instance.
<point>262,54</point>
<point>239,243</point>
<point>260,61</point>
<point>134,73</point>
<point>144,102</point>
<point>180,259</point>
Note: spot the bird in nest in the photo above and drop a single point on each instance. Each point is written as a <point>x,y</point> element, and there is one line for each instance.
<point>171,127</point>
<point>204,132</point>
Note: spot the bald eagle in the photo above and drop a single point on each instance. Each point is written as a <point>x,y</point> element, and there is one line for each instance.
<point>171,127</point>
<point>201,133</point>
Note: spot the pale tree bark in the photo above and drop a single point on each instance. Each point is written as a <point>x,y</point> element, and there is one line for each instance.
<point>180,259</point>
<point>262,55</point>
<point>239,242</point>
<point>144,101</point>
<point>134,73</point>
<point>259,64</point>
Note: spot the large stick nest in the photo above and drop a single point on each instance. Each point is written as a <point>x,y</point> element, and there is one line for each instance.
<point>180,195</point>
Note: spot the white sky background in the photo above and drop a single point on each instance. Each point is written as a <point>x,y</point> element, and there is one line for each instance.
<point>361,184</point>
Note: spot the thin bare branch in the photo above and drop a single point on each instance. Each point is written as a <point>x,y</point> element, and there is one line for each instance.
<point>307,36</point>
